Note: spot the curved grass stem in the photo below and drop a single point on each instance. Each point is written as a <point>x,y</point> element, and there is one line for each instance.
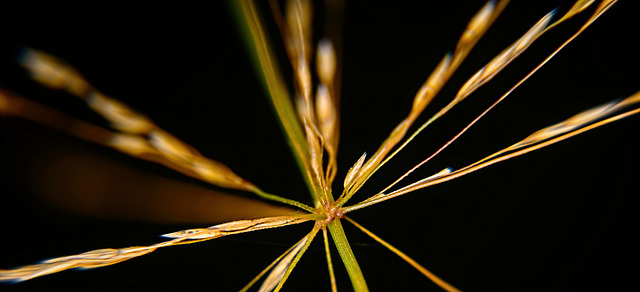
<point>578,124</point>
<point>444,285</point>
<point>495,66</point>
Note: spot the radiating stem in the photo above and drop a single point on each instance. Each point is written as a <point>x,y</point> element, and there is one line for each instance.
<point>349,260</point>
<point>332,276</point>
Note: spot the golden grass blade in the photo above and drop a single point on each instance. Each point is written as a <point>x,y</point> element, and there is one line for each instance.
<point>158,147</point>
<point>268,268</point>
<point>505,57</point>
<point>474,31</point>
<point>240,226</point>
<point>578,7</point>
<point>351,174</point>
<point>12,105</point>
<point>314,143</point>
<point>572,123</point>
<point>327,106</point>
<point>141,138</point>
<point>283,269</point>
<point>295,29</point>
<point>107,189</point>
<point>327,250</point>
<point>499,62</point>
<point>280,97</point>
<point>87,260</point>
<point>495,66</point>
<point>109,256</point>
<point>319,119</point>
<point>298,18</point>
<point>140,135</point>
<point>475,167</point>
<point>575,125</point>
<point>278,271</point>
<point>444,285</point>
<point>55,74</point>
<point>297,38</point>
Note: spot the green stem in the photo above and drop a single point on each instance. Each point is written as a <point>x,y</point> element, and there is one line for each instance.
<point>264,60</point>
<point>349,260</point>
<point>277,198</point>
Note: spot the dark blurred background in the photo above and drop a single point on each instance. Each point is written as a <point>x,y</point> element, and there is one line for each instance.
<point>558,219</point>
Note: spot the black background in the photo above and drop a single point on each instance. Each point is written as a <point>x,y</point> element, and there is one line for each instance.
<point>558,219</point>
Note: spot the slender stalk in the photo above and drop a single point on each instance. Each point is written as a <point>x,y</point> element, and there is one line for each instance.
<point>262,54</point>
<point>307,241</point>
<point>268,268</point>
<point>332,275</point>
<point>349,260</point>
<point>444,285</point>
<point>277,198</point>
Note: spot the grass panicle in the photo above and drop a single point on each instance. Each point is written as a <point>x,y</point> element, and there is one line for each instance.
<point>305,97</point>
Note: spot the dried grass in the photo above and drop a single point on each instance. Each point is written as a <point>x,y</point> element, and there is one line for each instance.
<point>141,138</point>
